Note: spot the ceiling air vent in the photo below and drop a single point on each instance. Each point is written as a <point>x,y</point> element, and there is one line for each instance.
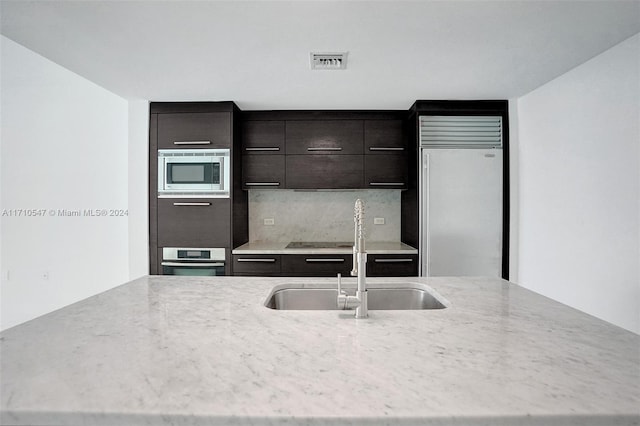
<point>328,61</point>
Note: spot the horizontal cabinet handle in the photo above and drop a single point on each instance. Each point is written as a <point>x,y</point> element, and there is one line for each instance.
<point>262,183</point>
<point>324,260</point>
<point>256,260</point>
<point>324,149</point>
<point>190,264</point>
<point>192,204</point>
<point>386,183</point>
<point>393,260</point>
<point>266,148</point>
<point>384,148</point>
<point>192,143</point>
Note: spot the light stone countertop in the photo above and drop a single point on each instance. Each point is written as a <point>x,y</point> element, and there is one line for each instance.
<point>206,351</point>
<point>276,247</point>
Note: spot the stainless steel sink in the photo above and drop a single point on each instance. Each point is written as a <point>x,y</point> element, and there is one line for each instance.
<point>395,296</point>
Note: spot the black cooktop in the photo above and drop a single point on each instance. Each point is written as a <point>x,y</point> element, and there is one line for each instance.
<point>319,244</point>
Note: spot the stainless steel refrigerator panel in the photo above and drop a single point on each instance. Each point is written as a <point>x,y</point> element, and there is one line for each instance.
<point>461,212</point>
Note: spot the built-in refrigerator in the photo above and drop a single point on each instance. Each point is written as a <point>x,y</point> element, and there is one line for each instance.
<point>461,196</point>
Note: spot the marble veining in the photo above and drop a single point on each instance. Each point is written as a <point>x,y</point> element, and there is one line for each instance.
<point>206,351</point>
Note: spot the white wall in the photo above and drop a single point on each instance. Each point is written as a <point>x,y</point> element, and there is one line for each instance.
<point>64,147</point>
<point>579,189</point>
<point>138,188</point>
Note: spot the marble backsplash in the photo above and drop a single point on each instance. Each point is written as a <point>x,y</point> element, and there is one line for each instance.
<point>321,215</point>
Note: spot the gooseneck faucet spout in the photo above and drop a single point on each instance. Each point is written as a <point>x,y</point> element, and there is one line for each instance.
<point>360,301</point>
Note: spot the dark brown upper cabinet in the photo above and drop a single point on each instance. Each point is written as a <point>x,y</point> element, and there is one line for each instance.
<point>324,150</point>
<point>263,171</point>
<point>386,172</point>
<point>263,137</point>
<point>324,171</point>
<point>385,159</point>
<point>194,130</point>
<point>384,137</point>
<point>322,137</point>
<point>263,154</point>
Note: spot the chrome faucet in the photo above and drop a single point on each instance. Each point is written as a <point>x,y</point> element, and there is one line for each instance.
<point>360,300</point>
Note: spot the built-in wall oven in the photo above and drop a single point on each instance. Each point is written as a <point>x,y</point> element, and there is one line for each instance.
<point>193,261</point>
<point>193,173</point>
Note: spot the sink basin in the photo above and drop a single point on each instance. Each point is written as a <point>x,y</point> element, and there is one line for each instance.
<point>396,296</point>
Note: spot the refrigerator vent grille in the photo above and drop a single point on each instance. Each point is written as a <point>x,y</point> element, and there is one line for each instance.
<point>450,131</point>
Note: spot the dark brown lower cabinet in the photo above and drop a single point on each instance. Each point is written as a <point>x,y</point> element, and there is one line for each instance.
<point>326,265</point>
<point>392,265</point>
<point>194,222</point>
<point>257,265</point>
<point>308,265</point>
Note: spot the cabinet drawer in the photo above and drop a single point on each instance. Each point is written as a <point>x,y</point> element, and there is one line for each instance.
<point>324,137</point>
<point>263,137</point>
<point>260,265</point>
<point>194,222</point>
<point>392,265</point>
<point>389,171</point>
<point>324,171</point>
<point>194,130</point>
<point>315,265</point>
<point>262,171</point>
<point>382,137</point>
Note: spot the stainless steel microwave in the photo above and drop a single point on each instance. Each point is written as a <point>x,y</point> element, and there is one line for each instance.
<point>189,173</point>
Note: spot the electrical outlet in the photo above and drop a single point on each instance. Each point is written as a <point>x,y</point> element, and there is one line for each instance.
<point>378,220</point>
<point>269,221</point>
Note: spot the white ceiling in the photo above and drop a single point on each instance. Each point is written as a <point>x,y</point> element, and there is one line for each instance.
<point>257,53</point>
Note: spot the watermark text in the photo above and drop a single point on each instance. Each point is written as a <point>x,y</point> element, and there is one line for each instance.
<point>64,212</point>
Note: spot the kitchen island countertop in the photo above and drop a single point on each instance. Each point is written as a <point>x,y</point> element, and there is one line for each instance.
<point>206,351</point>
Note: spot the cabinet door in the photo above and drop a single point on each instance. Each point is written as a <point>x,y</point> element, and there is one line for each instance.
<point>389,171</point>
<point>392,265</point>
<point>324,171</point>
<point>256,265</point>
<point>263,137</point>
<point>262,171</point>
<point>194,222</point>
<point>382,137</point>
<point>324,137</point>
<point>194,130</point>
<point>326,265</point>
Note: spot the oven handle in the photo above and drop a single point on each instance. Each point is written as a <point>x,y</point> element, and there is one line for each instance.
<point>190,264</point>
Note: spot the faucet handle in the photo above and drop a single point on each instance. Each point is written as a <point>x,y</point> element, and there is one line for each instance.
<point>345,301</point>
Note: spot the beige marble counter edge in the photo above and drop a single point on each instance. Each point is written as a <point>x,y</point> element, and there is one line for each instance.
<point>267,247</point>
